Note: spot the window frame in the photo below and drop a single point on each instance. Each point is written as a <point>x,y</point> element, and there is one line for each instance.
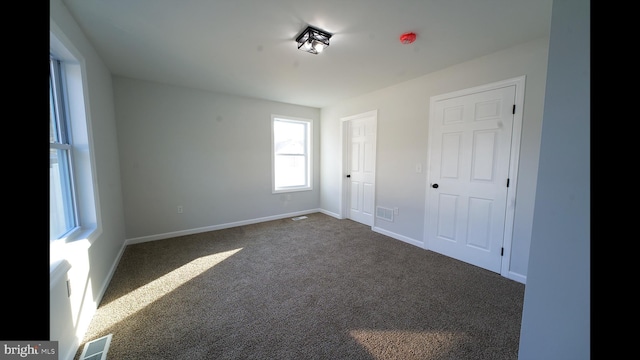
<point>83,162</point>
<point>63,144</point>
<point>308,156</point>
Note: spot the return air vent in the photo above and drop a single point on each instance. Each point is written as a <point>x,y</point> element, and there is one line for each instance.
<point>384,213</point>
<point>96,349</point>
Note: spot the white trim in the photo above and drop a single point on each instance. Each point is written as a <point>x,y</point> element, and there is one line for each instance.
<point>519,83</point>
<point>217,227</point>
<point>309,155</point>
<point>517,277</point>
<point>516,138</point>
<point>84,171</point>
<point>332,214</point>
<point>112,270</point>
<point>402,238</point>
<point>342,199</point>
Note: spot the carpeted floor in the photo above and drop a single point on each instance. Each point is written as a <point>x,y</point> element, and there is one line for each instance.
<point>317,288</point>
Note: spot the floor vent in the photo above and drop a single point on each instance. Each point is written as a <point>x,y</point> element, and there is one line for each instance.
<point>96,349</point>
<point>384,213</point>
<point>298,218</point>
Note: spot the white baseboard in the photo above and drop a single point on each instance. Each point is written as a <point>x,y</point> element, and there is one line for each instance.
<point>332,214</point>
<point>517,277</point>
<point>403,238</point>
<point>216,227</point>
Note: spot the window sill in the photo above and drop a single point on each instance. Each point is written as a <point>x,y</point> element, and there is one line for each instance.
<point>60,250</point>
<point>89,233</point>
<point>285,190</point>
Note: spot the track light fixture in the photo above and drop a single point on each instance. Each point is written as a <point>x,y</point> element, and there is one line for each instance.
<point>313,40</point>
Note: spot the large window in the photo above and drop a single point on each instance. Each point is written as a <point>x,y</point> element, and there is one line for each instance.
<point>291,153</point>
<point>62,205</point>
<point>74,220</point>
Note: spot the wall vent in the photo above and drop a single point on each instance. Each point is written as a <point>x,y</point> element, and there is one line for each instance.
<point>384,213</point>
<point>96,349</point>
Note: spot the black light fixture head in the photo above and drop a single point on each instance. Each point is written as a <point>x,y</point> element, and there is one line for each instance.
<point>313,40</point>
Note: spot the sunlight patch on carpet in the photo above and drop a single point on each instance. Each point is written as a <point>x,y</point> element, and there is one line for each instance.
<point>138,299</point>
<point>398,344</point>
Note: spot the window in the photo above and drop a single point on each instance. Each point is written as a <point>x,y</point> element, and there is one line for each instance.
<point>62,205</point>
<point>73,196</point>
<point>291,154</point>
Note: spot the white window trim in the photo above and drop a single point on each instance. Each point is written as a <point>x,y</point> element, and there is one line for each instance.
<point>309,157</point>
<point>88,210</point>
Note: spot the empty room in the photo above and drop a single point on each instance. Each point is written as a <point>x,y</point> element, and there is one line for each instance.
<point>282,179</point>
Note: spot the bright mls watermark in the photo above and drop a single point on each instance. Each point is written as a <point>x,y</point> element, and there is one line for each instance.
<point>28,350</point>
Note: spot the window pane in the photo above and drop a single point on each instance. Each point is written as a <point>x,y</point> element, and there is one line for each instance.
<point>291,154</point>
<point>61,218</point>
<point>290,170</point>
<point>289,137</point>
<point>53,129</point>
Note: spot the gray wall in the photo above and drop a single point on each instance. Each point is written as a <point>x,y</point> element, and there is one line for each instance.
<point>556,320</point>
<point>403,116</point>
<point>92,267</point>
<point>210,153</point>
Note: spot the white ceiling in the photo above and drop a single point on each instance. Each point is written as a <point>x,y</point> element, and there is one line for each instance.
<point>247,47</point>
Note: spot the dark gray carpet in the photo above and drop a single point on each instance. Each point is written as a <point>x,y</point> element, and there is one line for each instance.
<point>318,288</point>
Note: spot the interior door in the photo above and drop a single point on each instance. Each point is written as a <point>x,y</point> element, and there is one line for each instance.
<point>361,166</point>
<point>469,156</point>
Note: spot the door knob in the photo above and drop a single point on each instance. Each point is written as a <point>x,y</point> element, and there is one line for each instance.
<point>348,176</point>
<point>435,186</point>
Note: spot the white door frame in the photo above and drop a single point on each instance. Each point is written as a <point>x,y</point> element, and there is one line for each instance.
<point>346,191</point>
<point>519,83</point>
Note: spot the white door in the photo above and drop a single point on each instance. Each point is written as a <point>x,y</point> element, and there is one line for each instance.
<point>470,140</point>
<point>361,166</point>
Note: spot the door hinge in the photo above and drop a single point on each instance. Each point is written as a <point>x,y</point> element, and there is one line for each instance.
<point>507,182</point>
<point>502,252</point>
<point>514,109</point>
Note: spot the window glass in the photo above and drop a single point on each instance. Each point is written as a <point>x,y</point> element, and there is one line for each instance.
<point>291,154</point>
<point>62,209</point>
